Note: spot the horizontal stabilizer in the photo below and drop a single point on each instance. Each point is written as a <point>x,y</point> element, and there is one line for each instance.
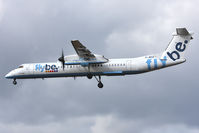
<point>182,31</point>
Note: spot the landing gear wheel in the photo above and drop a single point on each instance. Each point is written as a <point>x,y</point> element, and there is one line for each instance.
<point>89,76</point>
<point>100,85</point>
<point>14,82</point>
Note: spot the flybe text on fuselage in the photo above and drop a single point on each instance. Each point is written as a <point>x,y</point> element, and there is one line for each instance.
<point>155,60</point>
<point>46,68</point>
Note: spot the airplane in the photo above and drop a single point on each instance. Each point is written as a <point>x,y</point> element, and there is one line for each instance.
<point>85,63</point>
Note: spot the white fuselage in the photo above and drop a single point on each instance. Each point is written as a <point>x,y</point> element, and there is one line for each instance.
<point>87,64</point>
<point>114,67</point>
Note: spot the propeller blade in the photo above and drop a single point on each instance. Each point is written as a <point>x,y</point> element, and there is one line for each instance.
<point>61,59</point>
<point>62,54</point>
<point>63,64</point>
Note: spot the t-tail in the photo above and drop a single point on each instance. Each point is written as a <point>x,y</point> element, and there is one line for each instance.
<point>174,53</point>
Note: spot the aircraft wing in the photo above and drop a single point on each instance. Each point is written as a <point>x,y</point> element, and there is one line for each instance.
<point>82,51</point>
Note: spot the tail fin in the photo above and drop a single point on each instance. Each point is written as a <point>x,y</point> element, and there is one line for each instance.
<point>178,45</point>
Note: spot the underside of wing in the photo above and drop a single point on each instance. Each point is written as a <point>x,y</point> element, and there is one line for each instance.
<point>82,51</point>
<point>84,57</point>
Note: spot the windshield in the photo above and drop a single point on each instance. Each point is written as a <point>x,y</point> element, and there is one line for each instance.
<point>20,67</point>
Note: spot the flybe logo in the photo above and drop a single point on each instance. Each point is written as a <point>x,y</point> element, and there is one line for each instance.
<point>180,47</point>
<point>46,68</point>
<point>155,62</point>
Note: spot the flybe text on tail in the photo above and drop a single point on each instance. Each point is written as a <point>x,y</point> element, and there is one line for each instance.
<point>180,47</point>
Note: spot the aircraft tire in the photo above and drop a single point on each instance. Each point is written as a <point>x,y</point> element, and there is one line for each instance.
<point>14,82</point>
<point>100,85</point>
<point>89,76</point>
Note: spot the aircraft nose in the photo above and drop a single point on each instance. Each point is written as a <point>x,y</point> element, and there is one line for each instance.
<point>9,75</point>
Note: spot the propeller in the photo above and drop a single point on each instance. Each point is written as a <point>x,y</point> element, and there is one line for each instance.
<point>61,59</point>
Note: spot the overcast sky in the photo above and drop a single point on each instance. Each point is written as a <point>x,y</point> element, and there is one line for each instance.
<point>164,101</point>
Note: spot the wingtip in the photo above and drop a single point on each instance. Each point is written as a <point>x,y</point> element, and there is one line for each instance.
<point>74,40</point>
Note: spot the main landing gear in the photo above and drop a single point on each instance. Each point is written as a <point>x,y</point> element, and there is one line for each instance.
<point>100,84</point>
<point>89,76</point>
<point>14,82</point>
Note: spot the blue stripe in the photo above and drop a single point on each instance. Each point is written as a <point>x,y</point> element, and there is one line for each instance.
<point>73,74</point>
<point>114,72</point>
<point>80,63</point>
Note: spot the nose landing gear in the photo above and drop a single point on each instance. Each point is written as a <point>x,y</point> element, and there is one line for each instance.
<point>14,82</point>
<point>100,84</point>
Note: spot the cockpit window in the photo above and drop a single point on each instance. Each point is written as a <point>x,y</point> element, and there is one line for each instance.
<point>20,67</point>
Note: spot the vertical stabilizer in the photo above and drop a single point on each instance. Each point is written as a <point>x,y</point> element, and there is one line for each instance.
<point>178,45</point>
